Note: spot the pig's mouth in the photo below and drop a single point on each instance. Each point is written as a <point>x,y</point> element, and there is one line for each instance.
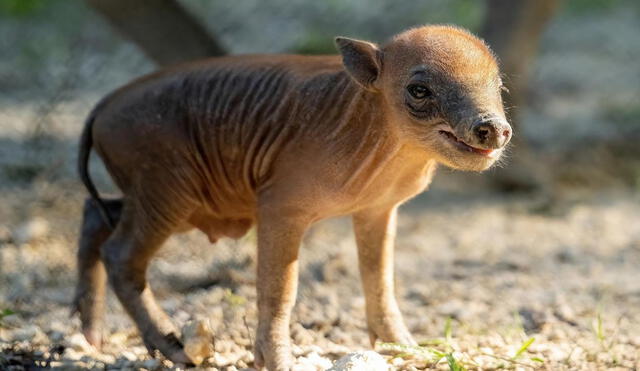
<point>449,136</point>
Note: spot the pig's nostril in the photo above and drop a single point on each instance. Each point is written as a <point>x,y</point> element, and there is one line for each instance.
<point>492,133</point>
<point>482,133</point>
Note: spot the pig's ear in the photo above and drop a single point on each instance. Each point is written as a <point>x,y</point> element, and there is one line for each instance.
<point>362,61</point>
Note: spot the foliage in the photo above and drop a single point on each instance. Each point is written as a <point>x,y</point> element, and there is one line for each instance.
<point>4,313</point>
<point>315,43</point>
<point>20,8</point>
<point>590,6</point>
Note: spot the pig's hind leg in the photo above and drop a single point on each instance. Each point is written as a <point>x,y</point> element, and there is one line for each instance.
<point>89,300</point>
<point>142,229</point>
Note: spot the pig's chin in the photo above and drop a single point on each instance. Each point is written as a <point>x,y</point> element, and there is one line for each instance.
<point>464,163</point>
<point>458,155</point>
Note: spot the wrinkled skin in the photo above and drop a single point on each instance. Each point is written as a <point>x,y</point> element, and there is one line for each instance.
<point>281,142</point>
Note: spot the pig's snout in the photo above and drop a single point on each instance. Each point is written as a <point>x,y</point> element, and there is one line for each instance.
<point>490,133</point>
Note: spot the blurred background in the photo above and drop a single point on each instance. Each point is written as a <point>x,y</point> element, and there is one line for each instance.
<point>545,246</point>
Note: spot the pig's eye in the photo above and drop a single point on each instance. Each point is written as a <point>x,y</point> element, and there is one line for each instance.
<point>419,91</point>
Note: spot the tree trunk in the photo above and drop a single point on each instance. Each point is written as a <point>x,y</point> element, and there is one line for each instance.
<point>513,29</point>
<point>162,29</point>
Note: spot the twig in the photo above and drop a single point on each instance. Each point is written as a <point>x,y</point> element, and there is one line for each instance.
<point>244,319</point>
<point>507,359</point>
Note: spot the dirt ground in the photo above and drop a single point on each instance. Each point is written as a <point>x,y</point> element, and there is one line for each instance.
<point>503,270</point>
<point>480,272</point>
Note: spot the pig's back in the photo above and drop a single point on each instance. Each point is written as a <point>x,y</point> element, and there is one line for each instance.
<point>217,124</point>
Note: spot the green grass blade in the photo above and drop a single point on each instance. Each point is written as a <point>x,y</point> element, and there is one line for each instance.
<point>453,363</point>
<point>447,330</point>
<point>524,347</point>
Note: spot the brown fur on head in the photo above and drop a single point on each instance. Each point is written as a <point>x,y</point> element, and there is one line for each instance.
<point>443,89</point>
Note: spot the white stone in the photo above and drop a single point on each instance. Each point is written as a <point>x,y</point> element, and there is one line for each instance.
<point>361,361</point>
<point>196,337</point>
<point>30,230</point>
<point>78,343</point>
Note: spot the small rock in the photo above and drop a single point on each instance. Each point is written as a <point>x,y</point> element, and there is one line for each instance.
<point>247,357</point>
<point>27,333</point>
<point>337,335</point>
<point>151,364</point>
<point>219,360</point>
<point>567,255</point>
<point>30,230</point>
<point>71,354</point>
<point>454,309</point>
<point>56,336</point>
<point>361,361</point>
<point>312,361</point>
<point>5,234</point>
<point>396,362</point>
<point>139,351</point>
<point>223,346</point>
<point>566,314</point>
<point>129,356</point>
<point>556,354</point>
<point>335,349</point>
<point>532,320</point>
<point>59,326</point>
<point>78,343</point>
<point>119,338</point>
<point>106,358</point>
<point>196,336</point>
<point>301,335</point>
<point>304,350</point>
<point>12,320</point>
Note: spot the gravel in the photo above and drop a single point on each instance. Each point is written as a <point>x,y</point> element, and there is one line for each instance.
<point>501,270</point>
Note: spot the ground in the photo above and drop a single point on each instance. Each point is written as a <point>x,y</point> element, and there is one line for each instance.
<point>476,276</point>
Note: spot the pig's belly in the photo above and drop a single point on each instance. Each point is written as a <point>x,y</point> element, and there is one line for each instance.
<point>216,227</point>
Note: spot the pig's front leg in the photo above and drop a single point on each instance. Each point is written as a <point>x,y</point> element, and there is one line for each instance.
<point>375,233</point>
<point>279,237</point>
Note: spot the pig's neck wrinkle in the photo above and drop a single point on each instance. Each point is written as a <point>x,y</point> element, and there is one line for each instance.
<point>367,142</point>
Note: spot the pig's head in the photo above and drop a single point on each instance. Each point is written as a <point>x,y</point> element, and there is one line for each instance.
<point>441,87</point>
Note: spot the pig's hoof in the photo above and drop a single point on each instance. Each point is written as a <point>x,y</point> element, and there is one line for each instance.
<point>391,334</point>
<point>275,356</point>
<point>91,324</point>
<point>170,346</point>
<point>93,336</point>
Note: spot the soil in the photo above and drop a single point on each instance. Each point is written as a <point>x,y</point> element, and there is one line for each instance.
<point>503,270</point>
